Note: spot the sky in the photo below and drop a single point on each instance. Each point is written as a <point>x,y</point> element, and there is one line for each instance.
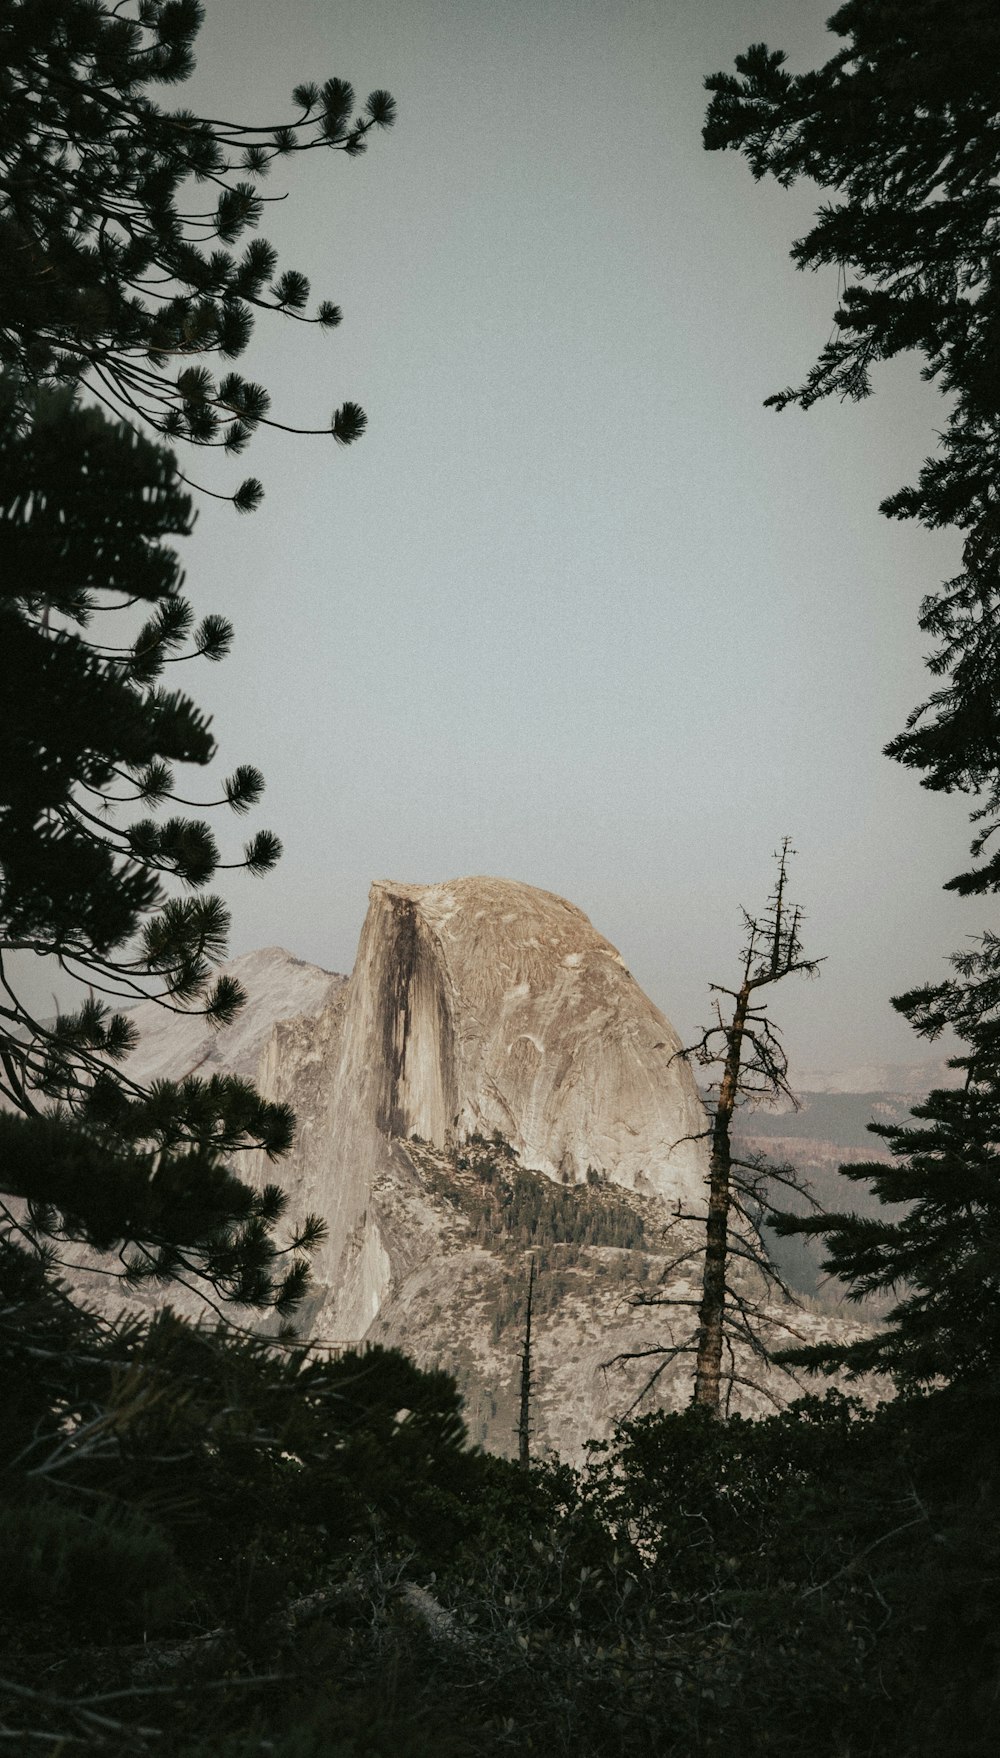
<point>577,610</point>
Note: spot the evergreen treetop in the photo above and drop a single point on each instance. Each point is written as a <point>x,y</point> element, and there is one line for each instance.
<point>935,1246</point>
<point>120,221</point>
<point>91,878</point>
<point>902,126</point>
<point>121,280</point>
<point>90,736</point>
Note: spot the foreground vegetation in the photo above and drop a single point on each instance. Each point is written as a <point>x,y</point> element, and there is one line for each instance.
<point>217,1548</point>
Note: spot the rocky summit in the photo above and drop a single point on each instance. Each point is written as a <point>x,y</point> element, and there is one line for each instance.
<point>489,1087</point>
<point>480,1007</point>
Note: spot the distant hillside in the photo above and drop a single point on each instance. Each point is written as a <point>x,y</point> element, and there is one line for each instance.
<point>830,1129</point>
<point>905,1079</point>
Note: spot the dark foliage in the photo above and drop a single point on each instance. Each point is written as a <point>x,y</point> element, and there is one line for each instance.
<point>90,730</point>
<point>902,126</point>
<point>119,220</point>
<point>937,1250</point>
<point>94,879</point>
<point>310,1563</point>
<point>176,1502</point>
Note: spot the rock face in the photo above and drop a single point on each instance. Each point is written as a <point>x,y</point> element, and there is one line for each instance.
<point>172,1045</point>
<point>488,1087</point>
<point>483,1012</point>
<point>477,1007</point>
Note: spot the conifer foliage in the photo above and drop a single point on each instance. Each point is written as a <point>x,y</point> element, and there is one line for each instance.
<point>91,735</point>
<point>99,883</point>
<point>936,1245</point>
<point>902,127</point>
<point>120,287</point>
<point>120,222</point>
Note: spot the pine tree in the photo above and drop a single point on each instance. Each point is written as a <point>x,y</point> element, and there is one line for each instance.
<point>111,272</point>
<point>902,126</point>
<point>117,283</point>
<point>89,741</point>
<point>937,1247</point>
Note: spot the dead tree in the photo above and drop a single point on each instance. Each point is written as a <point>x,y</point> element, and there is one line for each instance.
<point>524,1422</point>
<point>754,1066</point>
<point>746,1047</point>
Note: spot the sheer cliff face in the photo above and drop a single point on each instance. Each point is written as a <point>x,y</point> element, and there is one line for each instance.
<point>506,1011</point>
<point>476,1006</point>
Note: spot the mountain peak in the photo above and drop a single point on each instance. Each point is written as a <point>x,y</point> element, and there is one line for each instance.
<point>277,985</point>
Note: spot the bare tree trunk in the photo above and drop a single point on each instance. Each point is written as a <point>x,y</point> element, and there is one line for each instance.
<point>708,1371</point>
<point>524,1425</point>
<point>754,1066</point>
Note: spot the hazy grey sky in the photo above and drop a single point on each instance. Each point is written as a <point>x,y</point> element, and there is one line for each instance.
<point>577,610</point>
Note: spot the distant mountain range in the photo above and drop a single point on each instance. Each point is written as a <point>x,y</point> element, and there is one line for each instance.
<point>831,1129</point>
<point>904,1079</point>
<point>277,986</point>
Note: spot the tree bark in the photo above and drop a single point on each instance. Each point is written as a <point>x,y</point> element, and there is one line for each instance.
<point>524,1425</point>
<point>708,1370</point>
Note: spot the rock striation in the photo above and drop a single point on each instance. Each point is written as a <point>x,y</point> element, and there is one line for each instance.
<point>489,1086</point>
<point>477,1007</point>
<point>173,1044</point>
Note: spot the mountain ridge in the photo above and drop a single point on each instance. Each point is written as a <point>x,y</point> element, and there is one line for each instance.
<point>491,1049</point>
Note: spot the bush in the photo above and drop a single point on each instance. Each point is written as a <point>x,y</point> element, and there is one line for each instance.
<point>103,1572</point>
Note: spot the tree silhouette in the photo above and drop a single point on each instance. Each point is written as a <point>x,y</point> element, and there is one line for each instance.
<point>118,281</point>
<point>902,126</point>
<point>746,1046</point>
<point>118,221</point>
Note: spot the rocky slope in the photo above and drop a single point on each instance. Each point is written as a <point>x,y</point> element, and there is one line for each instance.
<point>477,1007</point>
<point>460,1229</point>
<point>488,1012</point>
<point>276,985</point>
<point>489,1086</point>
